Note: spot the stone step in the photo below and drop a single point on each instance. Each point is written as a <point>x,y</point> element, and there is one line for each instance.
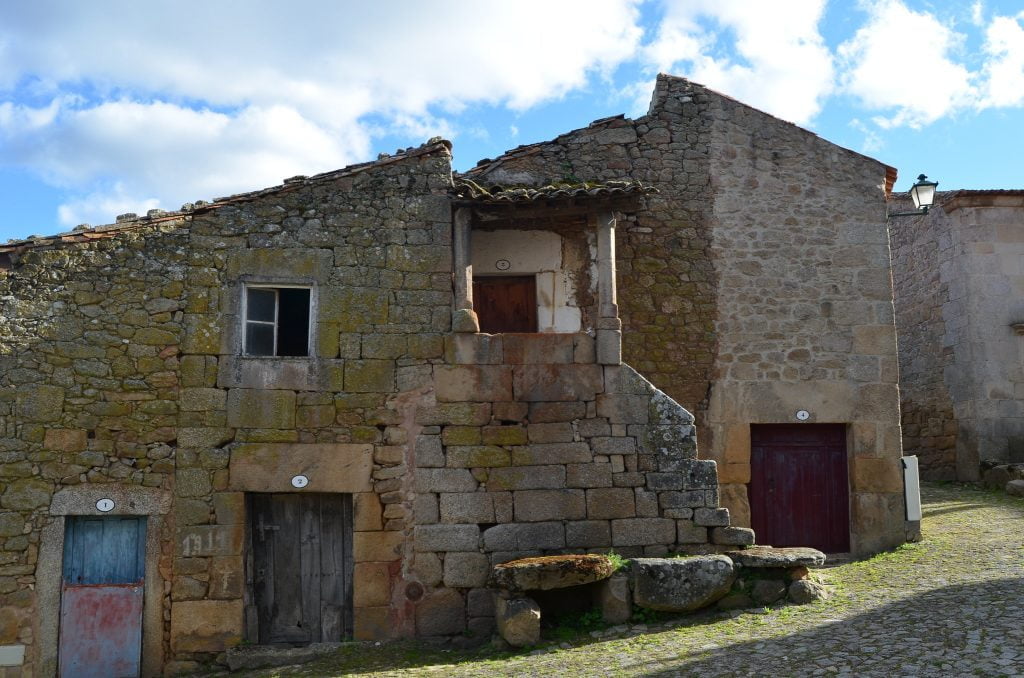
<point>770,557</point>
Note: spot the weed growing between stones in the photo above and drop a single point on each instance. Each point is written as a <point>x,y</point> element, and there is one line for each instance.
<point>617,560</point>
<point>641,615</point>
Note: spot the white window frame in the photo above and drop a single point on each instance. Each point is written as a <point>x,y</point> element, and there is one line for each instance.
<point>277,308</point>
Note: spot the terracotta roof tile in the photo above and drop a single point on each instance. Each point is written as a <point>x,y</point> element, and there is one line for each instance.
<point>469,190</point>
<point>131,222</point>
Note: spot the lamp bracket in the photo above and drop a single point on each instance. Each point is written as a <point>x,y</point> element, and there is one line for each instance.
<point>915,213</point>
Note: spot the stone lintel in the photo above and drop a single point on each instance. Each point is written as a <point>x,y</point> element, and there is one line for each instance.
<point>270,467</point>
<point>129,500</point>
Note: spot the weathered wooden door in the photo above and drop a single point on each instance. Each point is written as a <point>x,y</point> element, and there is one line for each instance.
<point>506,303</point>
<point>102,596</point>
<point>799,487</point>
<point>302,567</point>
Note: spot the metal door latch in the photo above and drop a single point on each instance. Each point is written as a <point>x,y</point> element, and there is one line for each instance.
<point>263,527</point>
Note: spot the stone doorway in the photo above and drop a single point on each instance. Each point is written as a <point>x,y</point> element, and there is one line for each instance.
<point>300,568</point>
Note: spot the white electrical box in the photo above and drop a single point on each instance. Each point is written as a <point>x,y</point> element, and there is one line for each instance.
<point>912,488</point>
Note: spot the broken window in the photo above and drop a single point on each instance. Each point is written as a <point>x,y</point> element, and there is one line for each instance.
<point>277,321</point>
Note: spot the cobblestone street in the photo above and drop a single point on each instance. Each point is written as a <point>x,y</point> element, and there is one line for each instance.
<point>949,606</point>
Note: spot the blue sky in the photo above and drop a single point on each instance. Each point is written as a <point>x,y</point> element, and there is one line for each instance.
<point>118,106</point>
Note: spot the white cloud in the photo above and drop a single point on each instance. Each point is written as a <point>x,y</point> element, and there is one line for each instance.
<point>1004,71</point>
<point>180,99</point>
<point>978,13</point>
<point>904,60</point>
<point>637,95</point>
<point>872,139</point>
<point>161,153</point>
<point>781,63</point>
<point>99,206</point>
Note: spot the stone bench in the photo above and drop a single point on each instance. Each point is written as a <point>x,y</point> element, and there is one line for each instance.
<point>756,576</point>
<point>517,615</point>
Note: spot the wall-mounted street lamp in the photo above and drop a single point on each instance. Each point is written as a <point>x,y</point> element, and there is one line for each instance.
<point>923,195</point>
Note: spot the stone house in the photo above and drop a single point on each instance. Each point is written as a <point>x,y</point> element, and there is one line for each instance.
<point>327,408</point>
<point>959,280</point>
<point>755,285</point>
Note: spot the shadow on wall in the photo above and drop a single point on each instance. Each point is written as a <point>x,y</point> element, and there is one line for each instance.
<point>917,635</point>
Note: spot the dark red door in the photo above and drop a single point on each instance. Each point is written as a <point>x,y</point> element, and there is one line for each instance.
<point>799,487</point>
<point>506,303</point>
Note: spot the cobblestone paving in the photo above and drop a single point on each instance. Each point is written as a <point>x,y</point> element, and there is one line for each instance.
<point>952,605</point>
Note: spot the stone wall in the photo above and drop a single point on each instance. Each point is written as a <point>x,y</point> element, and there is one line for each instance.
<point>531,448</point>
<point>964,380</point>
<point>125,375</point>
<point>754,284</point>
<point>123,371</point>
<point>665,278</point>
<point>922,254</point>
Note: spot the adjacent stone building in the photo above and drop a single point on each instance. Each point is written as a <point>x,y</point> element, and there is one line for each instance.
<point>959,279</point>
<point>275,418</point>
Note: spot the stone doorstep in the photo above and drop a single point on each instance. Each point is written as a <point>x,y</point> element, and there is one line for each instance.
<point>769,557</point>
<point>264,656</point>
<point>1015,488</point>
<point>681,584</point>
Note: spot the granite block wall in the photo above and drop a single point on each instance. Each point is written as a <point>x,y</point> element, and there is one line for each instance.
<point>925,287</point>
<point>89,364</point>
<point>531,448</point>
<point>122,367</point>
<point>123,372</point>
<point>805,308</point>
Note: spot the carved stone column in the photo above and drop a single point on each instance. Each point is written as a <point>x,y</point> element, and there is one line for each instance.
<point>464,318</point>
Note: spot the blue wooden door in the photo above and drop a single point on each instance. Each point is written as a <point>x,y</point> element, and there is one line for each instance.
<point>102,596</point>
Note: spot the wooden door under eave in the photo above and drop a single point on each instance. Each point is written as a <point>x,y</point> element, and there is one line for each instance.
<point>506,303</point>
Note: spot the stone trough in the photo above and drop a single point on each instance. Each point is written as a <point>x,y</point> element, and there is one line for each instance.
<point>759,575</point>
